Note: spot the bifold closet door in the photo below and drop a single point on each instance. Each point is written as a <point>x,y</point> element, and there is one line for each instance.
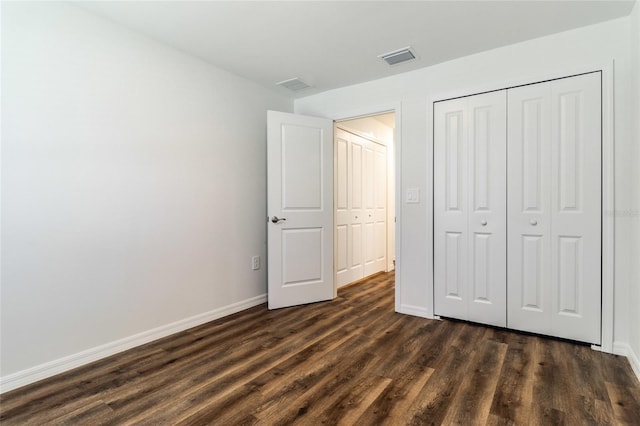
<point>375,205</point>
<point>349,208</point>
<point>470,208</point>
<point>554,208</point>
<point>361,207</point>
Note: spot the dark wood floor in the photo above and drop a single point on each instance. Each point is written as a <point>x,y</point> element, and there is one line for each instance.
<point>349,361</point>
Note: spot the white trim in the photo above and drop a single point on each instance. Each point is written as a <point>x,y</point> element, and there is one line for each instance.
<point>340,125</point>
<point>608,206</point>
<point>51,368</point>
<point>418,311</point>
<point>624,349</point>
<point>397,138</point>
<point>608,173</point>
<point>395,107</point>
<point>429,206</point>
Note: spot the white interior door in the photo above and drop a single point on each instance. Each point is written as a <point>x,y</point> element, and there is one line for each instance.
<point>361,207</point>
<point>470,208</point>
<point>375,214</point>
<point>300,208</point>
<point>488,208</point>
<point>349,208</point>
<point>554,211</point>
<point>450,208</point>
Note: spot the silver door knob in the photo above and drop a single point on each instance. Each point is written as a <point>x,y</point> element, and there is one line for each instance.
<point>483,222</point>
<point>356,217</point>
<point>277,219</point>
<point>533,222</point>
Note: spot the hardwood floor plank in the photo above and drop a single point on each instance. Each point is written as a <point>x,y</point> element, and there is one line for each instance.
<point>349,361</point>
<point>434,401</point>
<point>396,398</point>
<point>514,390</point>
<point>96,413</point>
<point>472,402</point>
<point>625,402</point>
<point>355,402</point>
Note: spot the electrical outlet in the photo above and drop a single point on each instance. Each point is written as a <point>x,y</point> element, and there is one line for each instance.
<point>255,262</point>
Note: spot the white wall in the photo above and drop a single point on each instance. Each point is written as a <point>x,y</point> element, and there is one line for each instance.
<point>593,45</point>
<point>133,187</point>
<point>634,300</point>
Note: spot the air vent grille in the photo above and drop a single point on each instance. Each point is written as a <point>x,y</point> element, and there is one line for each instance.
<point>294,84</point>
<point>398,56</point>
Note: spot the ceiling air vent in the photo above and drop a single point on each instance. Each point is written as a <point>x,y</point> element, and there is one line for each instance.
<point>398,56</point>
<point>294,84</point>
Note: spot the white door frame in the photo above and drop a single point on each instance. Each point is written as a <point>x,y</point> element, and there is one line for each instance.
<point>395,108</point>
<point>608,175</point>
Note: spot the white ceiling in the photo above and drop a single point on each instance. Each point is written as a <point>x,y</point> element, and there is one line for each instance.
<point>335,44</point>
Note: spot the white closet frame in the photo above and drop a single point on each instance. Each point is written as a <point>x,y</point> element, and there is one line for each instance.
<point>608,206</point>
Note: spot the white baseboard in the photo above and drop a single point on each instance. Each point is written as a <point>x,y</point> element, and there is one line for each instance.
<point>623,348</point>
<point>51,368</point>
<point>418,311</point>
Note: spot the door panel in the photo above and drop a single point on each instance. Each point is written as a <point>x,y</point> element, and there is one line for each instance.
<point>450,208</point>
<point>455,267</point>
<point>302,174</point>
<point>554,133</point>
<point>531,129</point>
<point>380,207</point>
<point>469,208</point>
<point>302,251</point>
<point>342,170</point>
<point>576,207</point>
<point>481,268</point>
<point>342,232</point>
<point>529,172</point>
<point>343,200</point>
<point>487,208</point>
<point>532,287</point>
<point>299,184</point>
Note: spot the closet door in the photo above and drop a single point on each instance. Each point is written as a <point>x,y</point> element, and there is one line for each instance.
<point>349,211</point>
<point>469,208</point>
<point>487,208</point>
<point>361,212</point>
<point>375,204</point>
<point>554,178</point>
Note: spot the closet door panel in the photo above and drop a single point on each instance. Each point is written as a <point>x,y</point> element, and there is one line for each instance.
<point>379,213</point>
<point>450,208</point>
<point>487,208</point>
<point>528,215</point>
<point>349,194</point>
<point>469,208</point>
<point>576,207</point>
<point>554,212</point>
<point>369,208</point>
<point>356,189</point>
<point>342,208</point>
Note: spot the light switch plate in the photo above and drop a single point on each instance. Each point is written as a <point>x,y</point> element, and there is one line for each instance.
<point>413,196</point>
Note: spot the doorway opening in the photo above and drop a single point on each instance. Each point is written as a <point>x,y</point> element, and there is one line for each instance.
<point>364,197</point>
